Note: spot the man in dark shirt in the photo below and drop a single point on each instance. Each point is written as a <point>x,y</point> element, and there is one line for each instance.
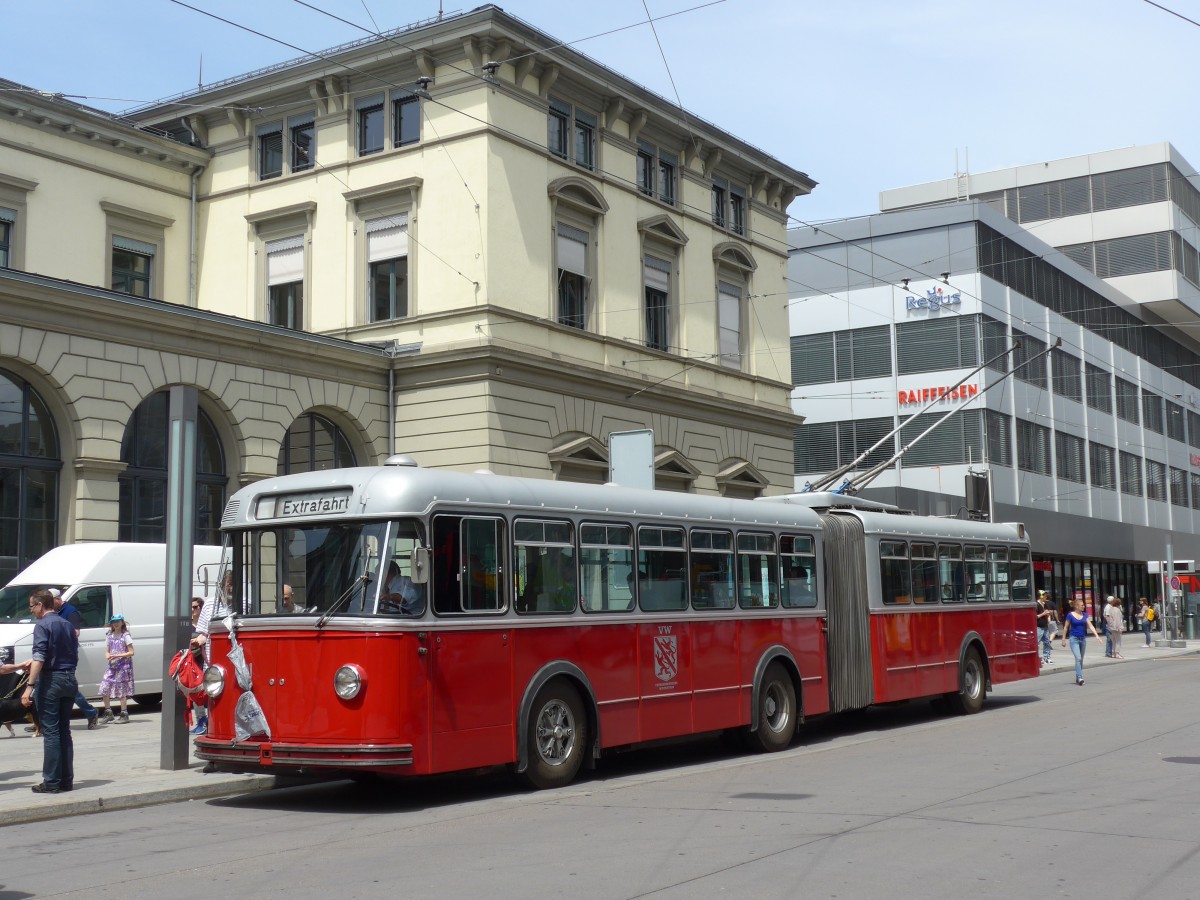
<point>52,679</point>
<point>71,614</point>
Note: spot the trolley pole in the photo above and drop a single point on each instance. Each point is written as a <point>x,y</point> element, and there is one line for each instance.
<point>181,530</point>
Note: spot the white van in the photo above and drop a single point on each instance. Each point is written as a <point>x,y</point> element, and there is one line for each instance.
<point>101,580</point>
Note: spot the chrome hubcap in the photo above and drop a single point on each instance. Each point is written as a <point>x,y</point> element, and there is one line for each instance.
<point>555,733</point>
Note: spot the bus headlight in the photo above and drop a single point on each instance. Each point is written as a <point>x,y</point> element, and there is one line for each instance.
<point>214,681</point>
<point>348,681</point>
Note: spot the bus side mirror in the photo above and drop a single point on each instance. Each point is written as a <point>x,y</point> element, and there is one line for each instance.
<point>418,565</point>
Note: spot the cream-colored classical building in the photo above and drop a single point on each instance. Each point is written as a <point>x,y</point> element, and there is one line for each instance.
<point>459,241</point>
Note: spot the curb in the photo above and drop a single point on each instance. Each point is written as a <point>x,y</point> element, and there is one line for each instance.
<point>251,784</point>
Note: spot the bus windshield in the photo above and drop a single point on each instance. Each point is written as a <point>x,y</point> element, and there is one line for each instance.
<point>14,601</point>
<point>347,568</point>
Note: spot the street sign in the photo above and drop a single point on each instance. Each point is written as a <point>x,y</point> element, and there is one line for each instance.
<point>1176,584</point>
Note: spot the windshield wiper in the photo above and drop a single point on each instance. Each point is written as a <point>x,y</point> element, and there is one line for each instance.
<point>358,582</point>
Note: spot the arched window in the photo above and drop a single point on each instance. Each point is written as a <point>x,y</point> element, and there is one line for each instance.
<point>29,467</point>
<point>143,484</point>
<point>313,444</point>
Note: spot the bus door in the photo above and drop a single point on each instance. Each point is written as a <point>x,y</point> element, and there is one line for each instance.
<point>470,668</point>
<point>664,645</point>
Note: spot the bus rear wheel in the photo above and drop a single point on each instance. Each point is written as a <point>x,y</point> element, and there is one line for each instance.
<point>557,737</point>
<point>971,679</point>
<point>776,711</point>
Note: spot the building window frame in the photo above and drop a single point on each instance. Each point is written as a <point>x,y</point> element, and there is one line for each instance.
<point>133,233</point>
<point>1034,448</point>
<point>658,173</point>
<point>734,270</point>
<point>283,245</point>
<point>370,124</point>
<point>390,205</point>
<point>730,206</point>
<point>285,146</point>
<point>571,133</point>
<point>1131,470</point>
<point>14,209</point>
<point>577,211</point>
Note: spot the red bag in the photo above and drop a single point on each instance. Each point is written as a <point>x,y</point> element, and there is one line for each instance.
<point>187,676</point>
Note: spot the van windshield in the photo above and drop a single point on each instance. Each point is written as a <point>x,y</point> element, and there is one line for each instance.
<point>14,601</point>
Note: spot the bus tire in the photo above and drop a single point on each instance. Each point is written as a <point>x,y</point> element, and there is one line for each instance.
<point>557,737</point>
<point>776,711</point>
<point>971,681</point>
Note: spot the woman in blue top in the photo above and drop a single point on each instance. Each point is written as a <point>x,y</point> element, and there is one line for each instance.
<point>1075,630</point>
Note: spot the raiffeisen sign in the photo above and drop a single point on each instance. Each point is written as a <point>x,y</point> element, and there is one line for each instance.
<point>941,392</point>
<point>935,300</point>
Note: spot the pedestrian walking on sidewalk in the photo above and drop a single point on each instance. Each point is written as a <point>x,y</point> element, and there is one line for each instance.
<point>1145,616</point>
<point>1045,618</point>
<point>1104,618</point>
<point>1115,620</point>
<point>1075,630</point>
<point>117,683</point>
<point>52,682</point>
<point>71,614</point>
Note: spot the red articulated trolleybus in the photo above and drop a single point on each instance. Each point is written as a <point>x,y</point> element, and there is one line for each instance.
<point>442,621</point>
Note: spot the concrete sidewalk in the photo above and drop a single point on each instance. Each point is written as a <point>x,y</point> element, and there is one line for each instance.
<point>1133,648</point>
<point>117,766</point>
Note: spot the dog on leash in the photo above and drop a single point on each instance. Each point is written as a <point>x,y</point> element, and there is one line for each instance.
<point>11,710</point>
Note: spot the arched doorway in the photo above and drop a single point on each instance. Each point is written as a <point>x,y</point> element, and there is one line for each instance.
<point>30,462</point>
<point>143,484</point>
<point>314,444</point>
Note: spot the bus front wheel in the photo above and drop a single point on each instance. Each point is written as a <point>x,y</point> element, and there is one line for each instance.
<point>776,711</point>
<point>557,737</point>
<point>971,679</point>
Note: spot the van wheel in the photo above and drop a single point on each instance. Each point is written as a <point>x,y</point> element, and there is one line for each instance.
<point>969,698</point>
<point>557,737</point>
<point>776,711</point>
<point>148,701</point>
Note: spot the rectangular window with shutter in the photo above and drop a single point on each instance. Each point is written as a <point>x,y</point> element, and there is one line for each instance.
<point>729,324</point>
<point>1029,359</point>
<point>1133,255</point>
<point>863,353</point>
<point>994,338</point>
<point>1131,473</point>
<point>999,437</point>
<point>1069,457</point>
<point>957,441</point>
<point>387,267</point>
<point>931,345</point>
<point>812,358</point>
<point>1099,389</point>
<point>1175,422</point>
<point>657,285</point>
<point>369,121</point>
<point>270,150</point>
<point>856,436</point>
<point>1156,481</point>
<point>1129,187</point>
<point>1103,464</point>
<point>132,264</point>
<point>1194,480</point>
<point>572,252</point>
<point>285,282</point>
<point>1128,400</point>
<point>816,448</point>
<point>1033,447</point>
<point>1067,380</point>
<point>1152,412</point>
<point>1179,487</point>
<point>302,137</point>
<point>1193,429</point>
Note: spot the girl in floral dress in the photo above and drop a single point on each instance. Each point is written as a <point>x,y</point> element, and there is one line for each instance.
<point>118,680</point>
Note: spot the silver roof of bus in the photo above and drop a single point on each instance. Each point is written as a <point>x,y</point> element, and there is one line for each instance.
<point>386,491</point>
<point>883,523</point>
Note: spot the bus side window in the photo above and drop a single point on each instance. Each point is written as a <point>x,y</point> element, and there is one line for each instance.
<point>798,564</point>
<point>712,569</point>
<point>976,566</point>
<point>757,573</point>
<point>924,573</point>
<point>606,581</point>
<point>950,573</point>
<point>544,577</point>
<point>1022,574</point>
<point>998,574</point>
<point>662,567</point>
<point>894,581</point>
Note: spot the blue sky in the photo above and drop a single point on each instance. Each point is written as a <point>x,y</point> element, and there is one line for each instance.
<point>863,95</point>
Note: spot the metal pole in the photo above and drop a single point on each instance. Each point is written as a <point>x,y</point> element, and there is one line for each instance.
<point>181,531</point>
<point>1168,595</point>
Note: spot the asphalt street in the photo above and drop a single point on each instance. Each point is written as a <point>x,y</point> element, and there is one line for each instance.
<point>1053,790</point>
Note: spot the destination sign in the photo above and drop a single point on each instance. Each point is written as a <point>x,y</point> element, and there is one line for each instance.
<point>310,504</point>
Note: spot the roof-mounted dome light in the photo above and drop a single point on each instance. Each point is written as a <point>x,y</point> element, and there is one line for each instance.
<point>400,460</point>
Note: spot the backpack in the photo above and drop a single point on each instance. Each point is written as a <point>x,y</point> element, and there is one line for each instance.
<point>1149,613</point>
<point>187,676</point>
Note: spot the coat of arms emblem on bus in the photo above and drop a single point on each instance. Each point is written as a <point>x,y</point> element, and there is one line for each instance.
<point>666,657</point>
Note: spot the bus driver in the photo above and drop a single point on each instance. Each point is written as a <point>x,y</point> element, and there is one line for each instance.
<point>400,594</point>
